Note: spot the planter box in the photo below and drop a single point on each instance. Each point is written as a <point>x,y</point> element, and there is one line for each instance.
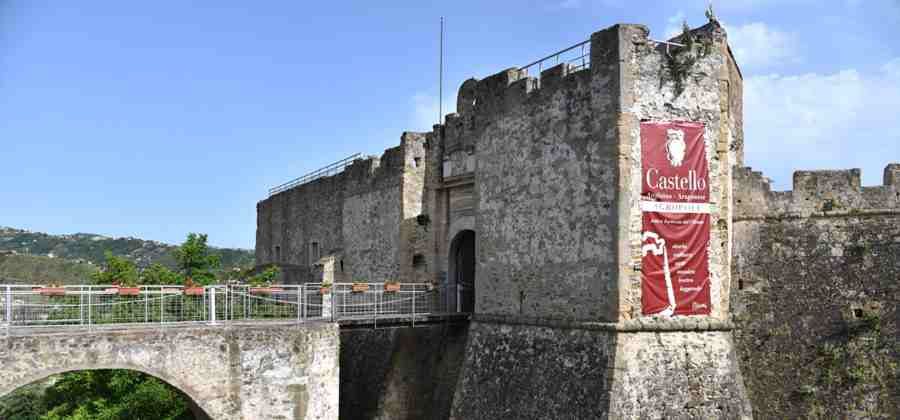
<point>52,291</point>
<point>392,287</point>
<point>129,291</point>
<point>193,291</point>
<point>324,290</point>
<point>360,287</point>
<point>265,290</point>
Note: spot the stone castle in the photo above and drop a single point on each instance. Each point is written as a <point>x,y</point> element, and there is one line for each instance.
<point>526,203</point>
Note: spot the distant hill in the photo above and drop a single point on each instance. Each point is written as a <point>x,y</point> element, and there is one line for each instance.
<point>35,269</point>
<point>41,258</point>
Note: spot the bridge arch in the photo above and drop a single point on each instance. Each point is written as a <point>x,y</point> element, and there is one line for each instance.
<point>249,371</point>
<point>195,404</point>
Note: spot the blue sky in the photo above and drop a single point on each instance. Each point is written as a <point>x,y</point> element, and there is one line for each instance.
<point>157,119</point>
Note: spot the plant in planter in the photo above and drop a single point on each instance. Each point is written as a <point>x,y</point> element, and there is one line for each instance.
<point>392,287</point>
<point>359,287</point>
<point>52,290</point>
<point>262,282</point>
<point>325,288</point>
<point>191,288</point>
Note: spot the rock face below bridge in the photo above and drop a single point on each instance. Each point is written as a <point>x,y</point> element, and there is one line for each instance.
<point>260,371</point>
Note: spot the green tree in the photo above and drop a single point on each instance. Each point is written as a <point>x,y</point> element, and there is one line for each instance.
<point>266,277</point>
<point>113,395</point>
<point>195,261</point>
<point>24,403</point>
<point>160,274</point>
<point>117,270</point>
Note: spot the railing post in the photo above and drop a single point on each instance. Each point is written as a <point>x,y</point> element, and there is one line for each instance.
<point>334,303</point>
<point>81,305</point>
<point>9,303</point>
<point>299,306</point>
<point>147,305</point>
<point>90,313</point>
<point>212,304</point>
<point>305,303</point>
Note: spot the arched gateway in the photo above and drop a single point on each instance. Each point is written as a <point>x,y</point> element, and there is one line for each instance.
<point>230,372</point>
<point>462,269</point>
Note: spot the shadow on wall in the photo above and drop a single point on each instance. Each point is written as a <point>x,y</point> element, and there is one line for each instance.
<point>401,373</point>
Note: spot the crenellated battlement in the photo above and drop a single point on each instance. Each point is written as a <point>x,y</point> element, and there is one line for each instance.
<point>819,192</point>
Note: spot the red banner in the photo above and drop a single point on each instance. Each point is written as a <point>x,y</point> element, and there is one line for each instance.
<point>675,213</point>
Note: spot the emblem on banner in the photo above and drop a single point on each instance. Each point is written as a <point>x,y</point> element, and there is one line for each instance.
<point>675,146</point>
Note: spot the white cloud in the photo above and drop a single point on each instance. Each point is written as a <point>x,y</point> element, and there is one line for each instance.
<point>756,45</point>
<point>823,121</point>
<point>425,110</point>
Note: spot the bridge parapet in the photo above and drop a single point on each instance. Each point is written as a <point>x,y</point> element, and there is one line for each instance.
<point>94,306</point>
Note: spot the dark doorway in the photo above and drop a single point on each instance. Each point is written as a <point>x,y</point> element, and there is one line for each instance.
<point>462,270</point>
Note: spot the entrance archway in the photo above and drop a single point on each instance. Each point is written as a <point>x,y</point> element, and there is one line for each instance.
<point>462,269</point>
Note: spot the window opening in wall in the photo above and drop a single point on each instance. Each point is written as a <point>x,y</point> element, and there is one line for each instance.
<point>858,313</point>
<point>418,260</point>
<point>342,266</point>
<point>313,253</point>
<point>416,162</point>
<point>277,253</point>
<point>740,284</point>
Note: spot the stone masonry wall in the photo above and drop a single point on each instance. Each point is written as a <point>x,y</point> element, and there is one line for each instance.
<point>543,191</point>
<point>353,216</point>
<point>534,372</point>
<point>815,294</point>
<point>289,221</point>
<point>372,216</point>
<point>557,330</point>
<point>414,235</point>
<point>400,373</point>
<point>250,372</point>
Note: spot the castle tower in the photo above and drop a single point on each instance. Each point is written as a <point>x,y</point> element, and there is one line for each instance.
<point>583,212</point>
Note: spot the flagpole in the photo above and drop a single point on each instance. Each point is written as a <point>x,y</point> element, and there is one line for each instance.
<point>441,76</point>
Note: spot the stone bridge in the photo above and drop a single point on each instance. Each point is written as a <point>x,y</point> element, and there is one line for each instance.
<point>230,371</point>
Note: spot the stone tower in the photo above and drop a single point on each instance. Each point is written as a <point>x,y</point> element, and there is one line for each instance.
<point>534,191</point>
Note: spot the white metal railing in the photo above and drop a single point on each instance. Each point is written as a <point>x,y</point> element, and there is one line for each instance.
<point>327,170</point>
<point>578,57</point>
<point>93,305</point>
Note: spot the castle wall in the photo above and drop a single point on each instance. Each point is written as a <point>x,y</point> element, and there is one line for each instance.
<point>816,293</point>
<point>371,218</point>
<point>400,373</point>
<point>353,217</point>
<point>415,242</point>
<point>289,221</point>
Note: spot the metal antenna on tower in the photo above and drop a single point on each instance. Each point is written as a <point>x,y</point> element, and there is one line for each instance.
<point>441,76</point>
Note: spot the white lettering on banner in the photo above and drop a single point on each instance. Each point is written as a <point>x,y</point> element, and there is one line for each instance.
<point>691,182</point>
<point>669,207</point>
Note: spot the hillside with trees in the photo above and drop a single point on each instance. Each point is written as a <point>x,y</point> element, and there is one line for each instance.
<point>38,258</point>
